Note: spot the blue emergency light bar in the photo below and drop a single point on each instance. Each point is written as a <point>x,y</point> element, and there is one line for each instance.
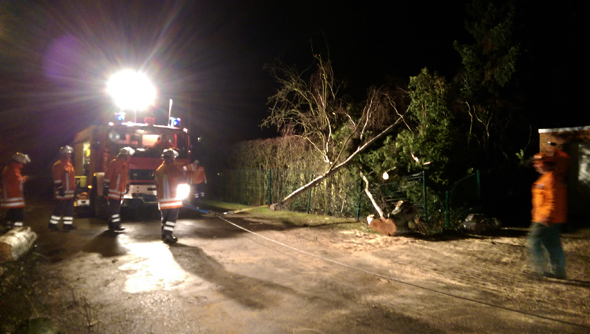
<point>120,116</point>
<point>174,121</point>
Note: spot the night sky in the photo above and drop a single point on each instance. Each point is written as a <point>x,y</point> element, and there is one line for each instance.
<point>208,56</point>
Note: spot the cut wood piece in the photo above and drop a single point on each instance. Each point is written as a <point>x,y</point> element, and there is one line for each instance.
<point>16,242</point>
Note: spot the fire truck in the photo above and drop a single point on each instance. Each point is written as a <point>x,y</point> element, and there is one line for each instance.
<point>96,146</point>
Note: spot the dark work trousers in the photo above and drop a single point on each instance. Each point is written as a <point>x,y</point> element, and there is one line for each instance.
<point>114,209</point>
<point>169,217</point>
<point>197,192</point>
<point>63,208</point>
<point>15,217</point>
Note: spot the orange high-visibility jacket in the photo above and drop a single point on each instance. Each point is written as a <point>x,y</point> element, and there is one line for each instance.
<point>168,177</point>
<point>12,187</point>
<point>549,199</point>
<point>117,175</point>
<point>64,176</point>
<point>197,174</point>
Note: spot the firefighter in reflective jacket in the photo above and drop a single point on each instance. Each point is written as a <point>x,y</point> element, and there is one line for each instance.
<point>115,186</point>
<point>168,177</point>
<point>197,180</point>
<point>12,190</point>
<point>64,184</point>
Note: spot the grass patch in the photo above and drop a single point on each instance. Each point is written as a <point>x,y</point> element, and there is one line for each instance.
<point>288,217</point>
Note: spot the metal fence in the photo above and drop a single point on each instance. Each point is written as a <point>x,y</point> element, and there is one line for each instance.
<point>339,195</point>
<point>343,194</point>
<point>463,197</point>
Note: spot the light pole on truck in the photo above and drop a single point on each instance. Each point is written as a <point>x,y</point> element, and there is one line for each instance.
<point>131,90</point>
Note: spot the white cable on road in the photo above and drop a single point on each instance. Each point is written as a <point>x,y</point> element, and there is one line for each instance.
<point>403,282</point>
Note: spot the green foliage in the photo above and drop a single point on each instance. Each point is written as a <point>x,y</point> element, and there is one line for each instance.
<point>426,141</point>
<point>429,140</point>
<point>491,61</point>
<point>488,107</point>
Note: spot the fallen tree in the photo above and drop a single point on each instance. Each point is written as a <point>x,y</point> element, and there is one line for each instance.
<point>316,111</point>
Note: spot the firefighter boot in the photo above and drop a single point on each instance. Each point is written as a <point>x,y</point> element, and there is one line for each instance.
<point>117,228</point>
<point>53,227</point>
<point>168,237</point>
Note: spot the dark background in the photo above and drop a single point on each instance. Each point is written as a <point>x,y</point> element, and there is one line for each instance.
<point>208,56</point>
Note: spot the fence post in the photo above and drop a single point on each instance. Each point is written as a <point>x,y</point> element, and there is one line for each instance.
<point>309,196</point>
<point>424,190</point>
<point>358,207</point>
<point>269,186</point>
<point>448,213</point>
<point>239,184</point>
<point>478,187</point>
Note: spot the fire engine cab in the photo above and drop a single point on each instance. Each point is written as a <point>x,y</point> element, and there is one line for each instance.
<point>95,147</point>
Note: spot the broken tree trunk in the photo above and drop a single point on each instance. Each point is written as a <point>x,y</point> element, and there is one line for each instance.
<point>16,242</point>
<point>377,207</point>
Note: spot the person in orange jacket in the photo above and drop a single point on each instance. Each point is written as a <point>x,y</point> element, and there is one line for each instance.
<point>168,177</point>
<point>115,186</point>
<point>197,180</point>
<point>548,214</point>
<point>12,190</point>
<point>64,184</point>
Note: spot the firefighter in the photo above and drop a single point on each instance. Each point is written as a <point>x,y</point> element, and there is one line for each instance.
<point>197,179</point>
<point>12,190</point>
<point>548,214</point>
<point>115,186</point>
<point>64,184</point>
<point>168,177</point>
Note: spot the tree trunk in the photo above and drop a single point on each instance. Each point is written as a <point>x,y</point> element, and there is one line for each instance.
<point>16,243</point>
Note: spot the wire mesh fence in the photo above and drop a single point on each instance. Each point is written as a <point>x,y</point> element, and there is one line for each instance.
<point>343,195</point>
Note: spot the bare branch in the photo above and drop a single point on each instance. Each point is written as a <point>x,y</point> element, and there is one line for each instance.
<point>371,196</point>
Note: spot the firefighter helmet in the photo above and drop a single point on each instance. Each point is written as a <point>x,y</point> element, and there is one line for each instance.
<point>169,153</point>
<point>21,158</point>
<point>66,150</point>
<point>126,151</point>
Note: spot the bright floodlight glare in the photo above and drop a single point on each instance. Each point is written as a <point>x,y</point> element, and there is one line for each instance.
<point>131,90</point>
<point>182,191</point>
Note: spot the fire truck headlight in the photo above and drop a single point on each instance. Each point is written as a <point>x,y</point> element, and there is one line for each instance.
<point>182,191</point>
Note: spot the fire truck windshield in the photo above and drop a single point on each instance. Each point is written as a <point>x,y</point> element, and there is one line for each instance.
<point>151,144</point>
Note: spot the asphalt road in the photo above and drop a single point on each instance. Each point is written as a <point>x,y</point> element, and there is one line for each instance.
<point>234,274</point>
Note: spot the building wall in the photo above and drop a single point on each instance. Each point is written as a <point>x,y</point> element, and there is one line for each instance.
<point>575,142</point>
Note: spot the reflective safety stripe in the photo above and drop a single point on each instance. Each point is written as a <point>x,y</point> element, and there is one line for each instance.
<point>12,203</point>
<point>68,220</point>
<point>115,218</point>
<point>164,204</point>
<point>18,224</point>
